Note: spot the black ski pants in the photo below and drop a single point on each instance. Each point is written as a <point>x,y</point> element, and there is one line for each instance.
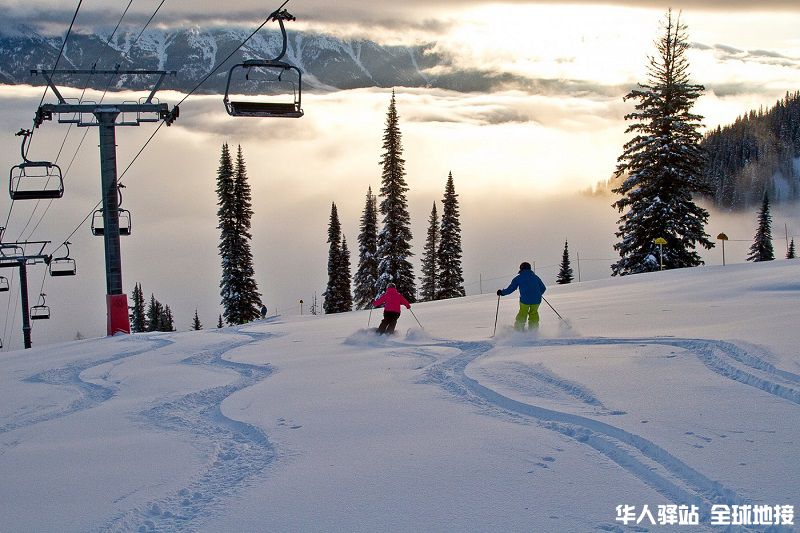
<point>389,322</point>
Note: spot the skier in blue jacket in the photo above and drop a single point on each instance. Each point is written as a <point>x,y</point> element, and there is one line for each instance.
<point>531,288</point>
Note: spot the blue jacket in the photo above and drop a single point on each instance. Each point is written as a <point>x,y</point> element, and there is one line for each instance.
<point>530,287</point>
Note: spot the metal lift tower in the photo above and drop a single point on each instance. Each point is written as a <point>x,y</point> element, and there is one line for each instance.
<point>20,255</point>
<point>106,117</point>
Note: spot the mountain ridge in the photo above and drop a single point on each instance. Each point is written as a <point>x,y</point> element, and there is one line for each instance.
<point>327,62</point>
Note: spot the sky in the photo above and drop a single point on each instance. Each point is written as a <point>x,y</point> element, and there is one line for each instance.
<point>519,158</point>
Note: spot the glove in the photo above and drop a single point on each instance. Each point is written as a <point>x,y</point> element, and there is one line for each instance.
<point>499,292</point>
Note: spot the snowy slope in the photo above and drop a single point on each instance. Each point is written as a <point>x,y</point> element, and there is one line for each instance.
<point>678,388</point>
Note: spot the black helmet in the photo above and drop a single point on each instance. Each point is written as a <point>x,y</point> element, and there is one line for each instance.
<point>524,266</point>
<point>391,286</point>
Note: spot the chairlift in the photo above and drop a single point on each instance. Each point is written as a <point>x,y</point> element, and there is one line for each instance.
<point>40,311</point>
<point>4,287</point>
<point>124,217</point>
<point>34,180</point>
<point>274,76</point>
<point>98,227</point>
<point>63,266</point>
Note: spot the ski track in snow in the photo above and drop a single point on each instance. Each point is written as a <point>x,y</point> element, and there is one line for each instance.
<point>537,380</point>
<point>238,452</point>
<point>90,394</point>
<point>639,456</point>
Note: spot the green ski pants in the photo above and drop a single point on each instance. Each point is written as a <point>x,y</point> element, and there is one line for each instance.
<point>529,312</point>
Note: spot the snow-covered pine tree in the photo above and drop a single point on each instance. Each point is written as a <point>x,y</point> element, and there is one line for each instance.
<point>154,311</point>
<point>196,325</point>
<point>451,275</point>
<point>138,319</point>
<point>226,215</point>
<point>367,272</point>
<point>249,299</point>
<point>345,278</point>
<point>241,300</point>
<point>664,164</point>
<point>790,253</point>
<point>394,239</point>
<point>761,249</point>
<point>334,297</point>
<point>429,288</point>
<point>565,272</point>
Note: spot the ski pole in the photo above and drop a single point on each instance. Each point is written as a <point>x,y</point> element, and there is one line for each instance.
<point>370,315</point>
<point>496,314</point>
<point>415,317</point>
<point>554,309</point>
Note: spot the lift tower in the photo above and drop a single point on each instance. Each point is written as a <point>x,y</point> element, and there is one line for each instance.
<point>106,117</point>
<point>20,255</point>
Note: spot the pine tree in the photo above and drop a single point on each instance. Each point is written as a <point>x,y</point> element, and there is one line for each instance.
<point>196,325</point>
<point>344,277</point>
<point>241,300</point>
<point>154,311</point>
<point>329,303</point>
<point>249,304</point>
<point>761,249</point>
<point>790,253</point>
<point>451,276</point>
<point>394,240</point>
<point>367,273</point>
<point>227,225</point>
<point>664,165</point>
<point>138,319</point>
<point>429,289</point>
<point>334,295</point>
<point>165,320</point>
<point>219,322</point>
<point>565,272</point>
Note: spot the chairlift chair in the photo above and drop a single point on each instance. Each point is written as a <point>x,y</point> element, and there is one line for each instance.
<point>98,227</point>
<point>34,180</point>
<point>63,266</point>
<point>281,77</point>
<point>4,287</point>
<point>123,217</point>
<point>40,311</point>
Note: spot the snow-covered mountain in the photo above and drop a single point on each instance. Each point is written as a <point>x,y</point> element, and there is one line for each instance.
<point>327,62</point>
<point>669,401</point>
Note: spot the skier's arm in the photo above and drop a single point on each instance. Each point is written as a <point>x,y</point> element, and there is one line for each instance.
<point>511,288</point>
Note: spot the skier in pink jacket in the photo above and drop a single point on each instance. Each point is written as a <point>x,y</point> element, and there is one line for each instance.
<point>391,301</point>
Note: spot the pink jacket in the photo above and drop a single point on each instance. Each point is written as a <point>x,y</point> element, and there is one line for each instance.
<point>391,301</point>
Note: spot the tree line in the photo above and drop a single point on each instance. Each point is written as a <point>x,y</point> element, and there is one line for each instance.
<point>384,252</point>
<point>153,316</point>
<point>755,155</point>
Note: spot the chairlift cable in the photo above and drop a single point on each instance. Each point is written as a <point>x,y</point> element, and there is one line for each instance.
<point>66,135</point>
<point>80,144</point>
<point>163,121</point>
<point>147,23</point>
<point>63,143</point>
<point>61,51</point>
